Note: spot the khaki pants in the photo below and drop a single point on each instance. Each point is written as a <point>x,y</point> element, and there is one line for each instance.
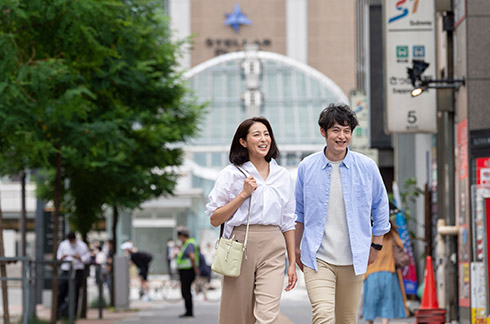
<point>254,296</point>
<point>334,293</point>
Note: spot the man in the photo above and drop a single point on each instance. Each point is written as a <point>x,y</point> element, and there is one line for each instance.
<point>337,193</point>
<point>77,252</point>
<point>188,265</point>
<point>142,261</point>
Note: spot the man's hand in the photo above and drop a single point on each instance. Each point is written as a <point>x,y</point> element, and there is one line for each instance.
<point>298,259</point>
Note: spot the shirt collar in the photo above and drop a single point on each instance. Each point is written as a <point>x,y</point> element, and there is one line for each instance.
<point>347,161</point>
<point>252,170</point>
<point>249,165</point>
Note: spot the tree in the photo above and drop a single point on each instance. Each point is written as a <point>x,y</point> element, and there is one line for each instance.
<point>92,87</point>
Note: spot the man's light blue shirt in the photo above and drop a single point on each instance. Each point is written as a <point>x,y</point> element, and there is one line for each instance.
<point>364,195</point>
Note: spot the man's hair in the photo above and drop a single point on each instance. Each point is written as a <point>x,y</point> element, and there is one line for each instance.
<point>238,153</point>
<point>71,236</point>
<point>184,231</point>
<point>337,113</point>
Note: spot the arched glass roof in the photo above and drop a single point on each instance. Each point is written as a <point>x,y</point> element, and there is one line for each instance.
<point>293,94</point>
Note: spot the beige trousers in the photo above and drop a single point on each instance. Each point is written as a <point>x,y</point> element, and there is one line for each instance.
<point>334,293</point>
<point>254,296</point>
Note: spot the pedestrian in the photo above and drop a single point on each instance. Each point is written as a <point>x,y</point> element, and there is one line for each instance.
<point>108,249</point>
<point>383,294</point>
<point>141,260</point>
<point>254,296</point>
<point>204,278</point>
<point>78,253</point>
<point>188,265</point>
<point>170,256</point>
<point>100,260</point>
<point>208,251</point>
<point>337,193</point>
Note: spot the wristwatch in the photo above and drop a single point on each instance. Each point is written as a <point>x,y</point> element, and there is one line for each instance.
<point>377,246</point>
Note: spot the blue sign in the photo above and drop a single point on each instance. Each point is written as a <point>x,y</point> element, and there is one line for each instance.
<point>237,18</point>
<point>418,51</point>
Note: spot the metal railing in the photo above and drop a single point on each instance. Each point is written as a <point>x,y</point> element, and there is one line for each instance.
<point>29,281</point>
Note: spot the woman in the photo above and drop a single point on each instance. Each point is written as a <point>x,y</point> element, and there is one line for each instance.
<point>383,292</point>
<point>253,297</point>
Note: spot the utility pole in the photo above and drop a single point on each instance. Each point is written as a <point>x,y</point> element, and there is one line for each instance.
<point>447,256</point>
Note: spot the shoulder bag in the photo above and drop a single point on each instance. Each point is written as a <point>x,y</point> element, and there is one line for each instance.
<point>229,252</point>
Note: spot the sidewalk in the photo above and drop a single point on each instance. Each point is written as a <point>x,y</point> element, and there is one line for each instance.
<point>108,316</point>
<point>295,308</point>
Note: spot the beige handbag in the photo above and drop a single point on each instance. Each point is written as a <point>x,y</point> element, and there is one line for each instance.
<point>229,252</point>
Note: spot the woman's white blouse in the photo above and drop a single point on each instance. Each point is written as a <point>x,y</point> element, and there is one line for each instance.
<point>273,201</point>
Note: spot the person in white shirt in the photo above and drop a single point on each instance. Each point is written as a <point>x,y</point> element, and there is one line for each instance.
<point>254,296</point>
<point>77,252</point>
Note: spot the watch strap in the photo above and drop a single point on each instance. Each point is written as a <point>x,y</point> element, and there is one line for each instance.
<point>376,246</point>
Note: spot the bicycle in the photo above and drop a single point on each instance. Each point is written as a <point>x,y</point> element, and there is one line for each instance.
<point>169,290</point>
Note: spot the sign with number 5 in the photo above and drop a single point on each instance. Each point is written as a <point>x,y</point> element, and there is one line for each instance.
<point>409,28</point>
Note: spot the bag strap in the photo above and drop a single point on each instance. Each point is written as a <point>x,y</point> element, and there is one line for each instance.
<point>246,174</point>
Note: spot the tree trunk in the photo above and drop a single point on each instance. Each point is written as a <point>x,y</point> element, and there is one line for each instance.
<point>57,204</point>
<point>115,219</point>
<point>3,273</point>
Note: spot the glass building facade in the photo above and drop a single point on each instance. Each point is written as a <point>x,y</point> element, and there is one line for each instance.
<point>288,93</point>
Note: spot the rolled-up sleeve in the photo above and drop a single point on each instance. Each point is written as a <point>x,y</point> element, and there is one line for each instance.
<point>220,194</point>
<point>289,216</point>
<point>299,196</point>
<point>380,205</point>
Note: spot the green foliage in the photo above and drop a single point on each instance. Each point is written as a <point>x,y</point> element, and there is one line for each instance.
<point>95,303</point>
<point>408,194</point>
<point>95,80</point>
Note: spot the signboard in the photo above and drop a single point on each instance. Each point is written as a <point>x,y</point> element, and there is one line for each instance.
<point>487,252</point>
<point>48,230</point>
<point>360,136</point>
<point>480,290</point>
<point>478,294</point>
<point>483,171</point>
<point>462,217</point>
<point>409,28</point>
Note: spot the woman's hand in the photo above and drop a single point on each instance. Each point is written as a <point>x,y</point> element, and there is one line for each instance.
<point>292,278</point>
<point>249,186</point>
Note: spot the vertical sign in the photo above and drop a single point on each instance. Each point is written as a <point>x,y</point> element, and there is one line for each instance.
<point>462,219</point>
<point>487,253</point>
<point>360,136</point>
<point>409,29</point>
<point>478,294</point>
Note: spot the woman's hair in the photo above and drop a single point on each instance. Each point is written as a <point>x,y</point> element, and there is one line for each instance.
<point>238,153</point>
<point>337,113</point>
